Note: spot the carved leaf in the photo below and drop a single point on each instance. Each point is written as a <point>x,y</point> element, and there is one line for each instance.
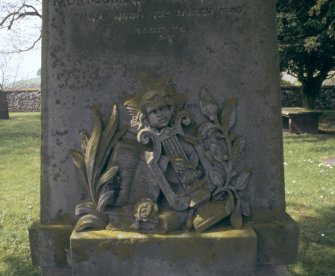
<point>104,199</point>
<point>84,138</point>
<point>109,176</point>
<point>107,135</point>
<point>91,222</point>
<point>91,152</point>
<point>208,105</point>
<point>228,115</point>
<point>79,161</point>
<point>237,148</point>
<point>242,181</point>
<point>104,162</point>
<point>216,177</point>
<point>245,208</point>
<point>85,209</point>
<point>218,153</point>
<point>236,216</point>
<point>229,206</point>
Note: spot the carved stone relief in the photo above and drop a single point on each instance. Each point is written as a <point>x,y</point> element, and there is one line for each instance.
<point>174,175</point>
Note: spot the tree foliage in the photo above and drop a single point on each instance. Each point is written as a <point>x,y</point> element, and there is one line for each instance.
<point>306,33</point>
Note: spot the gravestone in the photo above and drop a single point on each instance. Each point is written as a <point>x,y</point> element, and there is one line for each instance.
<point>215,57</point>
<point>3,106</point>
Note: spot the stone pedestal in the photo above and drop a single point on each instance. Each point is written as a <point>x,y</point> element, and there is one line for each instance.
<point>218,252</point>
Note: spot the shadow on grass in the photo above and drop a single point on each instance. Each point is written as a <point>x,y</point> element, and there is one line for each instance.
<point>294,138</point>
<point>317,243</point>
<point>17,265</point>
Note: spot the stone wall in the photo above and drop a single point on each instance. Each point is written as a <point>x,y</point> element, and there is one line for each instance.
<point>26,101</point>
<point>23,101</point>
<point>291,97</point>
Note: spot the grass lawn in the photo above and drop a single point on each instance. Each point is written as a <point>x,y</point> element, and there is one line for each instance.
<point>310,193</point>
<point>19,190</point>
<point>310,200</point>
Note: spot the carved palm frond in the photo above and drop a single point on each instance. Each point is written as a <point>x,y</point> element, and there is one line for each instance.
<point>91,153</point>
<point>101,178</point>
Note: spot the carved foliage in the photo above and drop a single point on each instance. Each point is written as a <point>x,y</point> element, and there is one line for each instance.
<point>223,149</point>
<point>102,179</point>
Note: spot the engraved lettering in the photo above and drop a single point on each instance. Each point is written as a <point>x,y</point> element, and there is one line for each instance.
<point>196,12</point>
<point>160,30</point>
<point>115,3</point>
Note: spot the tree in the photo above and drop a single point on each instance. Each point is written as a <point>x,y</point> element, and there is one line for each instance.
<point>306,34</point>
<point>16,16</point>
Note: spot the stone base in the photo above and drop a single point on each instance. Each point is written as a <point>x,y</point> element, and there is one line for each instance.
<point>219,252</point>
<point>225,252</point>
<point>277,242</point>
<point>49,245</point>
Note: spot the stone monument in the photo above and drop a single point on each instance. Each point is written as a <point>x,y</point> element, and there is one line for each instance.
<point>161,140</point>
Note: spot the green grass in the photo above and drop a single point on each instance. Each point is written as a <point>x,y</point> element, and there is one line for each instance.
<point>310,200</point>
<point>19,190</point>
<point>310,194</point>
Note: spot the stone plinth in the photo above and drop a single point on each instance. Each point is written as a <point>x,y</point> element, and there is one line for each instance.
<point>220,252</point>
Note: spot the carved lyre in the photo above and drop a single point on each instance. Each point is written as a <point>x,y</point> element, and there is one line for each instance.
<point>192,177</point>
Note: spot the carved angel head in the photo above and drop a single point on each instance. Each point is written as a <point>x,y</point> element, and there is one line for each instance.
<point>155,109</point>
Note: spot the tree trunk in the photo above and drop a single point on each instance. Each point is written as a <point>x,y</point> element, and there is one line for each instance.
<point>310,91</point>
<point>3,106</point>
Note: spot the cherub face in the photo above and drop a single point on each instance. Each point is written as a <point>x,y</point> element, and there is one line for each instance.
<point>145,210</point>
<point>159,115</point>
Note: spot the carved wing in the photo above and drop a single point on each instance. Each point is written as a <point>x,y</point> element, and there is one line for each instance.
<point>132,107</point>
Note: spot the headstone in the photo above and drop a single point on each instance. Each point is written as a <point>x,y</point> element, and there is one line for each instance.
<point>3,106</point>
<point>217,62</point>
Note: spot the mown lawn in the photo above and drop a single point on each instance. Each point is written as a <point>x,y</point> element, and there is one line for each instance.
<point>310,200</point>
<point>310,194</point>
<point>19,190</point>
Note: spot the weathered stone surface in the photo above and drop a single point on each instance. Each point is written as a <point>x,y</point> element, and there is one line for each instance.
<point>103,52</point>
<point>98,53</point>
<point>229,252</point>
<point>277,242</point>
<point>49,243</point>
